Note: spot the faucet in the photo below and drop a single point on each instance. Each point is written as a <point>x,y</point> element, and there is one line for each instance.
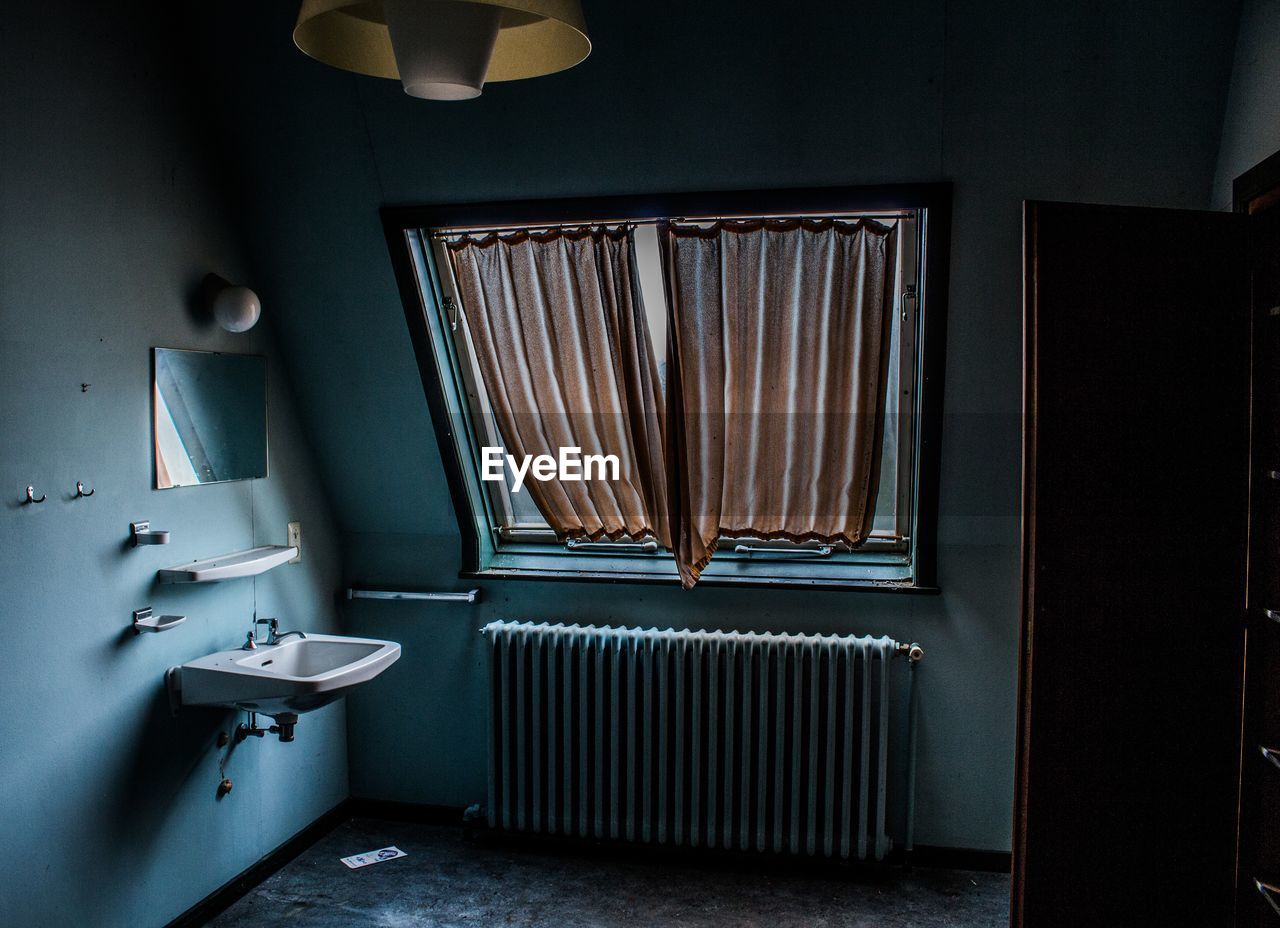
<point>274,636</point>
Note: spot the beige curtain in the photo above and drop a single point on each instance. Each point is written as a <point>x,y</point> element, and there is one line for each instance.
<point>780,332</point>
<point>558,327</point>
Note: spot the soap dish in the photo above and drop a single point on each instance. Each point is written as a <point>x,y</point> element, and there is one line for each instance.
<point>144,621</point>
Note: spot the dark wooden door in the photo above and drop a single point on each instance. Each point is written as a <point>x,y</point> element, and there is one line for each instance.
<point>1259,871</point>
<point>1135,512</point>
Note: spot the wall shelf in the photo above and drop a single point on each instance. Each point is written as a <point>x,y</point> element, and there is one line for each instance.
<point>248,563</point>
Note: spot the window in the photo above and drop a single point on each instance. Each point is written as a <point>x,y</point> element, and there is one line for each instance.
<point>496,391</point>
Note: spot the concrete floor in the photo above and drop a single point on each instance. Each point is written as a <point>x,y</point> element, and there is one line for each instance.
<point>450,880</point>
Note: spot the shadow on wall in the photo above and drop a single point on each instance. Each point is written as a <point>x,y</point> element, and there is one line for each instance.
<point>138,802</point>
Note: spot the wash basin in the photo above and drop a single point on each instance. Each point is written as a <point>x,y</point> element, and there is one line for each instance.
<point>295,675</point>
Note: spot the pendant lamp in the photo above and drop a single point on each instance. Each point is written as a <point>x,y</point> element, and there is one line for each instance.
<point>444,49</point>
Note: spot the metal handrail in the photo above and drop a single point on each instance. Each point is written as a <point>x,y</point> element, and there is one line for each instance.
<point>471,596</point>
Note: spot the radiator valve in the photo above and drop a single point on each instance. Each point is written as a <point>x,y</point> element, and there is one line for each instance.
<point>912,652</point>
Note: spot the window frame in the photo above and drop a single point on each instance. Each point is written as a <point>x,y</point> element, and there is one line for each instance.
<point>419,283</point>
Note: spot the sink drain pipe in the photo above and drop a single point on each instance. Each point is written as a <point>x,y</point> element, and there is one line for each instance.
<point>283,727</point>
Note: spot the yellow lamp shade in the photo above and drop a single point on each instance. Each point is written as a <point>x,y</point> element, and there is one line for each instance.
<point>534,37</point>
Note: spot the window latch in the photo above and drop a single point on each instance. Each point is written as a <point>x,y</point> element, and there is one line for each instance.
<point>796,553</point>
<point>451,309</point>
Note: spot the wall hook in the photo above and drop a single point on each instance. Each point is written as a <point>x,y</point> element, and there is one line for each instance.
<point>80,493</point>
<point>31,496</point>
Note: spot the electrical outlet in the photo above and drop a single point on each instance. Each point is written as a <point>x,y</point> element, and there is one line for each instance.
<point>295,540</point>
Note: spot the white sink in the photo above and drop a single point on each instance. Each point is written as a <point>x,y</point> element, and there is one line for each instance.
<point>296,675</point>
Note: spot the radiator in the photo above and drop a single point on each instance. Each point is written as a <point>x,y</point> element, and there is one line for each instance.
<point>742,741</point>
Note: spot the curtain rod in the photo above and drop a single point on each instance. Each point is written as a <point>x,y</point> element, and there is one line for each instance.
<point>454,231</point>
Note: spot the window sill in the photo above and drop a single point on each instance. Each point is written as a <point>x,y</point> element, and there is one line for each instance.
<point>599,569</point>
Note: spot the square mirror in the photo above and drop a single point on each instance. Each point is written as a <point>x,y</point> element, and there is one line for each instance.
<point>210,417</point>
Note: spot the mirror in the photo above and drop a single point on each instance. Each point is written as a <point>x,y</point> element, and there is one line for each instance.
<point>210,417</point>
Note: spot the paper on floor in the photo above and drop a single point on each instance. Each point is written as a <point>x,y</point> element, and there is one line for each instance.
<point>373,857</point>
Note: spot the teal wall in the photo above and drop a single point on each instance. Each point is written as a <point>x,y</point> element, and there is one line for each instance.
<point>110,214</point>
<point>142,149</point>
<point>1119,101</point>
<point>1251,127</point>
